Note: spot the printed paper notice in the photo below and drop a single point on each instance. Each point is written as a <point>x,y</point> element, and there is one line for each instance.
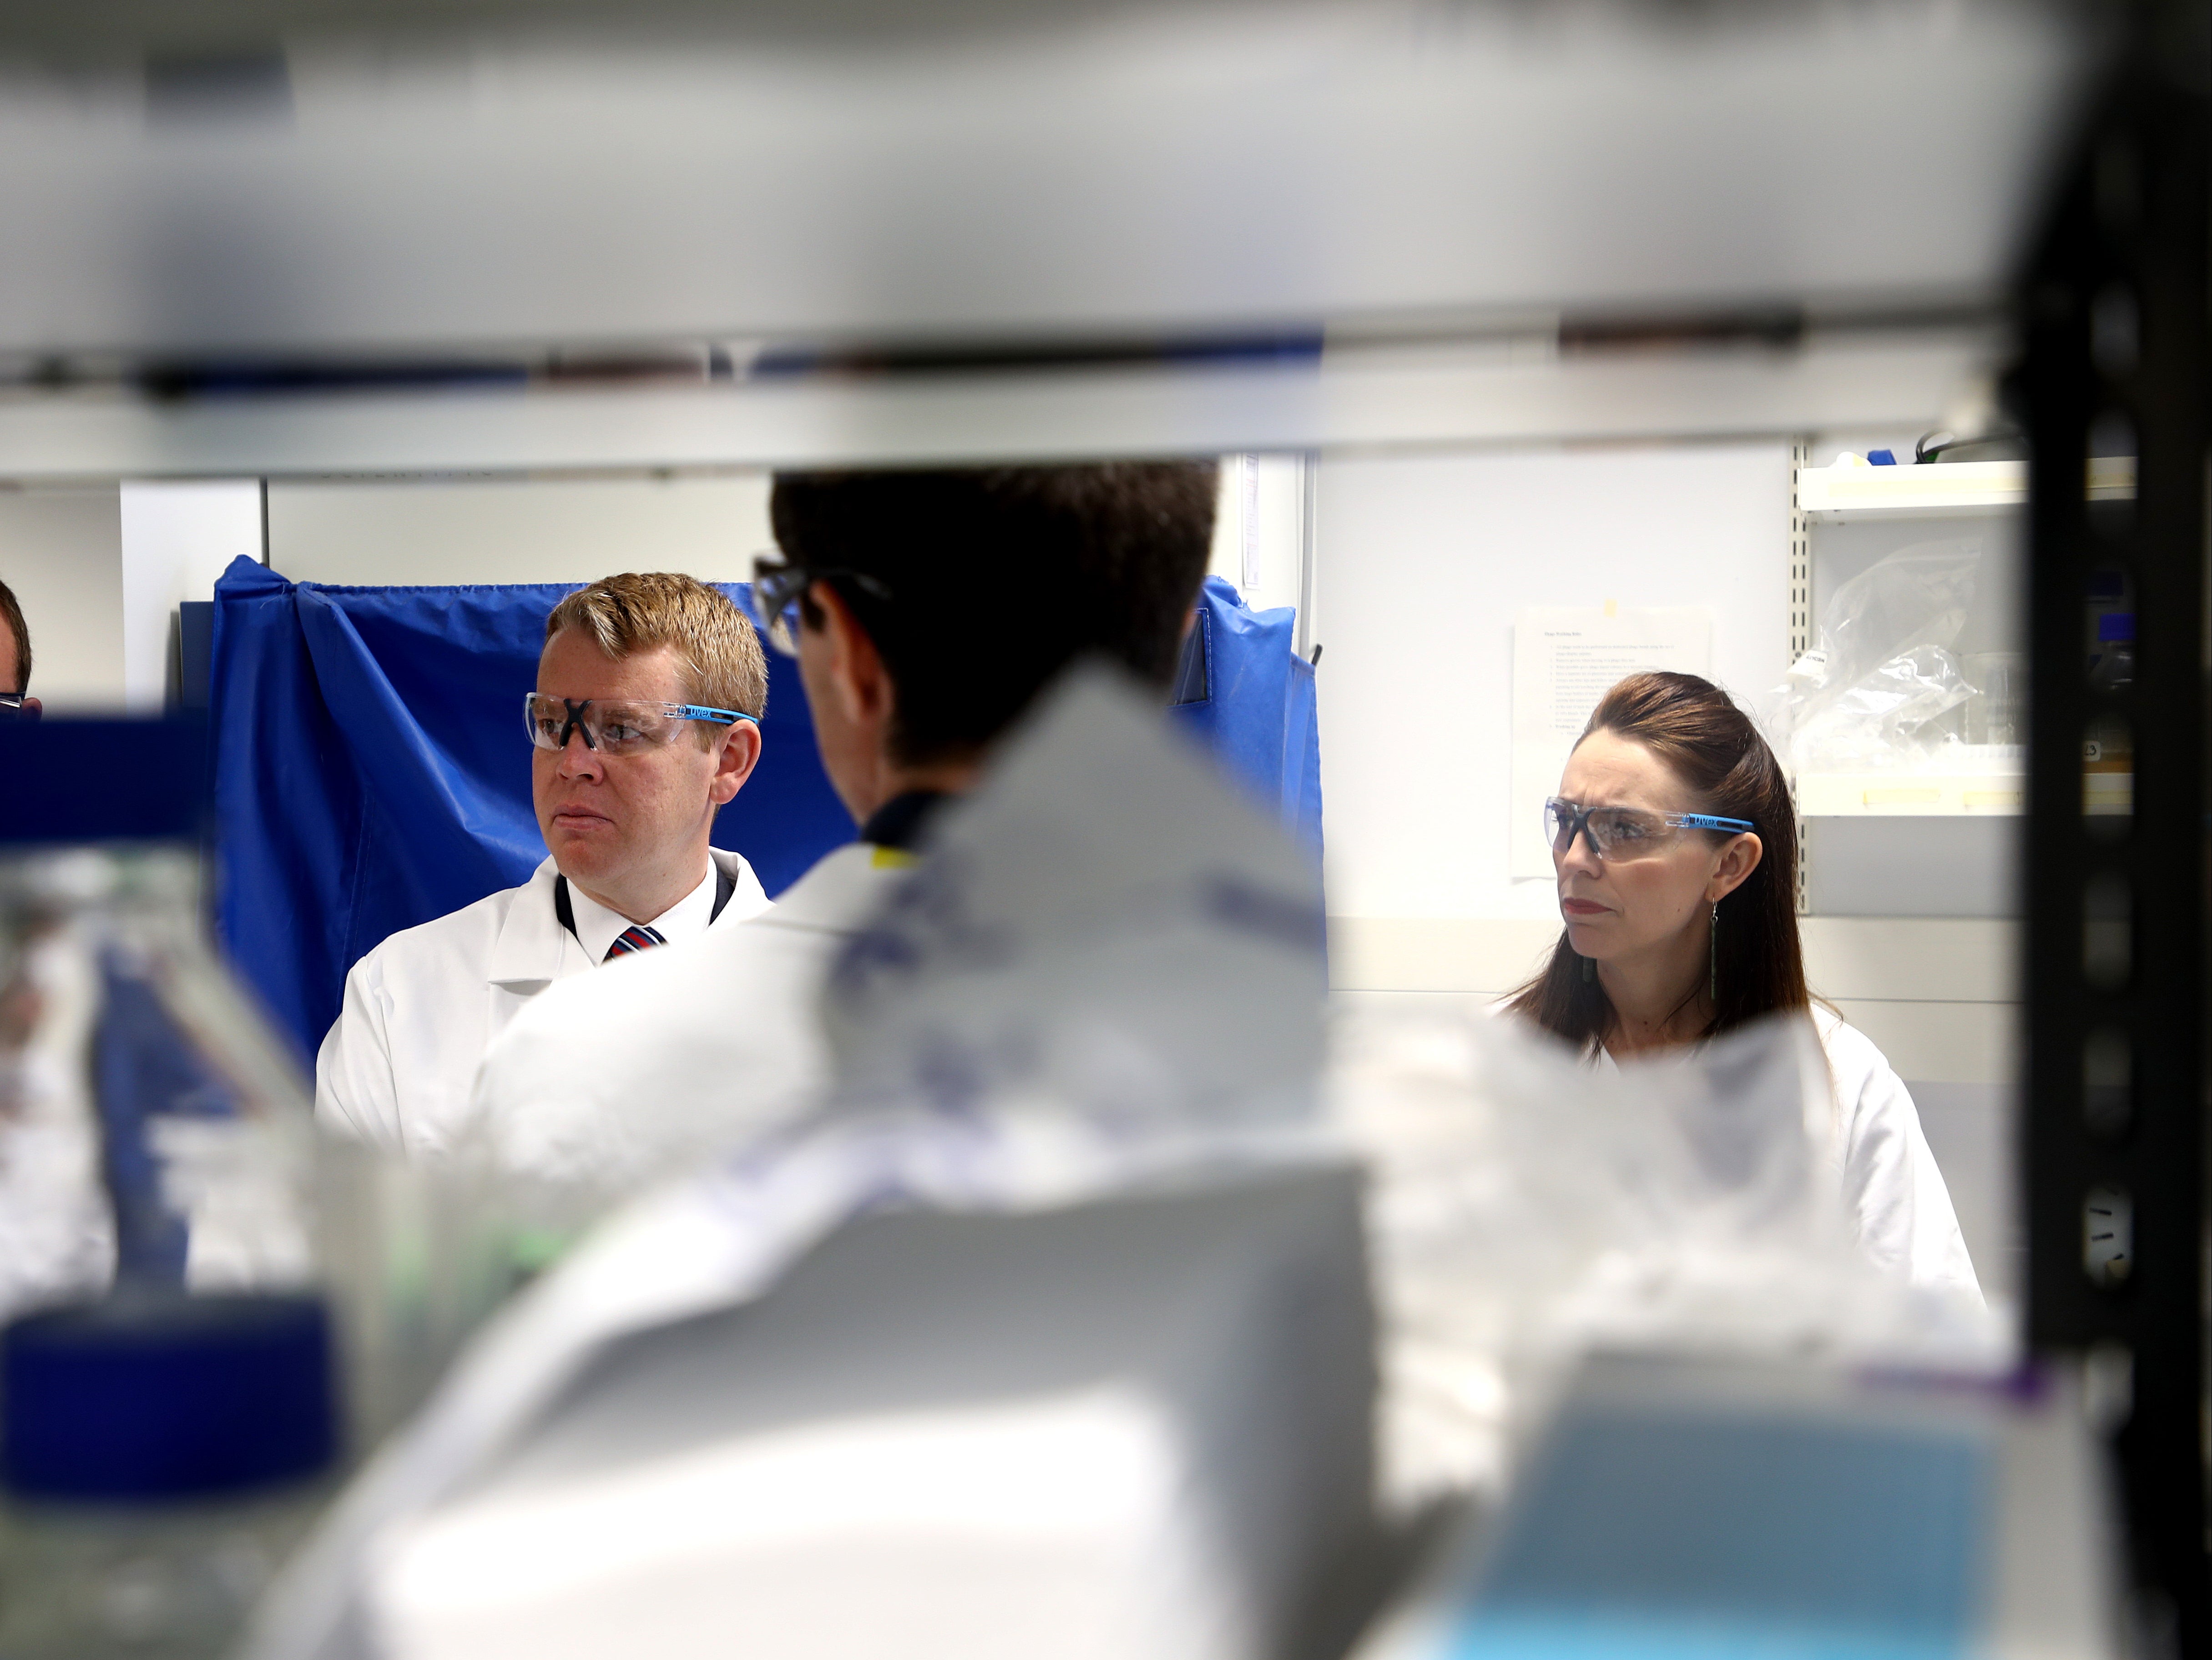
<point>1563,661</point>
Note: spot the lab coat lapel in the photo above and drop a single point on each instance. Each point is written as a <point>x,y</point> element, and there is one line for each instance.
<point>532,949</point>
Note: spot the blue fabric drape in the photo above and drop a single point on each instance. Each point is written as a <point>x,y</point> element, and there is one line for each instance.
<point>1259,714</point>
<point>371,772</point>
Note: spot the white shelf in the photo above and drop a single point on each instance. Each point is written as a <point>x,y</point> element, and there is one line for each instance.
<point>1943,490</point>
<point>1965,795</point>
<point>1908,794</point>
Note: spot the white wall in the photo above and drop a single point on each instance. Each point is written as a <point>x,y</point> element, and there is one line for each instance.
<point>1422,561</point>
<point>564,530</point>
<point>555,530</point>
<point>99,570</point>
<point>177,539</point>
<point>61,551</point>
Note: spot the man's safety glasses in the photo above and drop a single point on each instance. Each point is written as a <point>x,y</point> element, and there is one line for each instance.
<point>1621,834</point>
<point>777,584</point>
<point>614,728</point>
<point>11,707</point>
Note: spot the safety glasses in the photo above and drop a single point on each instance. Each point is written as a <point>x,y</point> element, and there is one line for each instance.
<point>11,707</point>
<point>614,728</point>
<point>1621,834</point>
<point>777,585</point>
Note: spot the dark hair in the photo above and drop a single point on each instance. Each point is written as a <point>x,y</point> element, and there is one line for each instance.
<point>11,613</point>
<point>994,579</point>
<point>1711,745</point>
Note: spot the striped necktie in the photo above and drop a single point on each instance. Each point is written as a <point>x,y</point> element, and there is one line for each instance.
<point>636,937</point>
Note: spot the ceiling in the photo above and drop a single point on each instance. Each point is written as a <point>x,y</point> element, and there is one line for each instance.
<point>209,193</point>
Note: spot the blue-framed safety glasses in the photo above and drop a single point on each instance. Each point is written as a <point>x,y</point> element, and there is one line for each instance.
<point>1619,834</point>
<point>614,728</point>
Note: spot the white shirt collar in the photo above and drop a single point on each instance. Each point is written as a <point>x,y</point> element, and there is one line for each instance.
<point>597,928</point>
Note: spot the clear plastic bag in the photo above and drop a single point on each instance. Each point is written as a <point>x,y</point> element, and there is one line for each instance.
<point>1886,687</point>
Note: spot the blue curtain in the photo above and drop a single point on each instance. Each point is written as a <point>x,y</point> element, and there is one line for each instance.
<point>370,770</point>
<point>1256,708</point>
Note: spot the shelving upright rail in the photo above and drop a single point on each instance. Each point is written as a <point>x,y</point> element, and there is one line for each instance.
<point>2114,317</point>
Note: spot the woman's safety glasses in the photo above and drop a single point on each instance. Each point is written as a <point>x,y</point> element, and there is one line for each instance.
<point>777,585</point>
<point>1621,834</point>
<point>614,728</point>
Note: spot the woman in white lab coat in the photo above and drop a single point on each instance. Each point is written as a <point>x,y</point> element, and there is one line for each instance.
<point>1675,843</point>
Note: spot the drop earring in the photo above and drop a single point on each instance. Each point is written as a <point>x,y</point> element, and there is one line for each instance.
<point>1590,970</point>
<point>1713,960</point>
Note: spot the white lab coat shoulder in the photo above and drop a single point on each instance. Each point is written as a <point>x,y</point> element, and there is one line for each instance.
<point>1892,1188</point>
<point>673,1052</point>
<point>421,1009</point>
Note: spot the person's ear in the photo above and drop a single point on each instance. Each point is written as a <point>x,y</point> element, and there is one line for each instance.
<point>738,753</point>
<point>855,671</point>
<point>1740,856</point>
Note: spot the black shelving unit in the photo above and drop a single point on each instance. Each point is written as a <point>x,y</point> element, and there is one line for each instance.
<point>2113,314</point>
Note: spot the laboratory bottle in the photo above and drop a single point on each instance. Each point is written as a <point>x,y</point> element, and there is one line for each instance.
<point>170,1390</point>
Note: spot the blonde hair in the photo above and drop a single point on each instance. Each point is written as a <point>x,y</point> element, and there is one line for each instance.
<point>720,658</point>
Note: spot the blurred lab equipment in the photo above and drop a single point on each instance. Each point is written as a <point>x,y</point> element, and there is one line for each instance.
<point>164,1455</point>
<point>436,183</point>
<point>1133,1427</point>
<point>168,1395</point>
<point>1998,444</point>
<point>1674,1506</point>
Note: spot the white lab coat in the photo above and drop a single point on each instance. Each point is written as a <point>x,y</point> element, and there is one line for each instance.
<point>420,1009</point>
<point>675,1053</point>
<point>1893,1191</point>
<point>1876,1151</point>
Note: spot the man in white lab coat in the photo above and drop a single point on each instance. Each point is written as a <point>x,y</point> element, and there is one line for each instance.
<point>645,721</point>
<point>925,610</point>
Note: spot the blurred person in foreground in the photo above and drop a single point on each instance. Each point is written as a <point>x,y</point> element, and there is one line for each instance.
<point>15,702</point>
<point>645,723</point>
<point>1674,840</point>
<point>926,609</point>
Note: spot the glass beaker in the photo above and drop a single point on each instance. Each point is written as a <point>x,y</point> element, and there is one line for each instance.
<point>1997,712</point>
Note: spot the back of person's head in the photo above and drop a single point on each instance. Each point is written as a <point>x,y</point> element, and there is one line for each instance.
<point>1696,730</point>
<point>720,655</point>
<point>992,580</point>
<point>11,618</point>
